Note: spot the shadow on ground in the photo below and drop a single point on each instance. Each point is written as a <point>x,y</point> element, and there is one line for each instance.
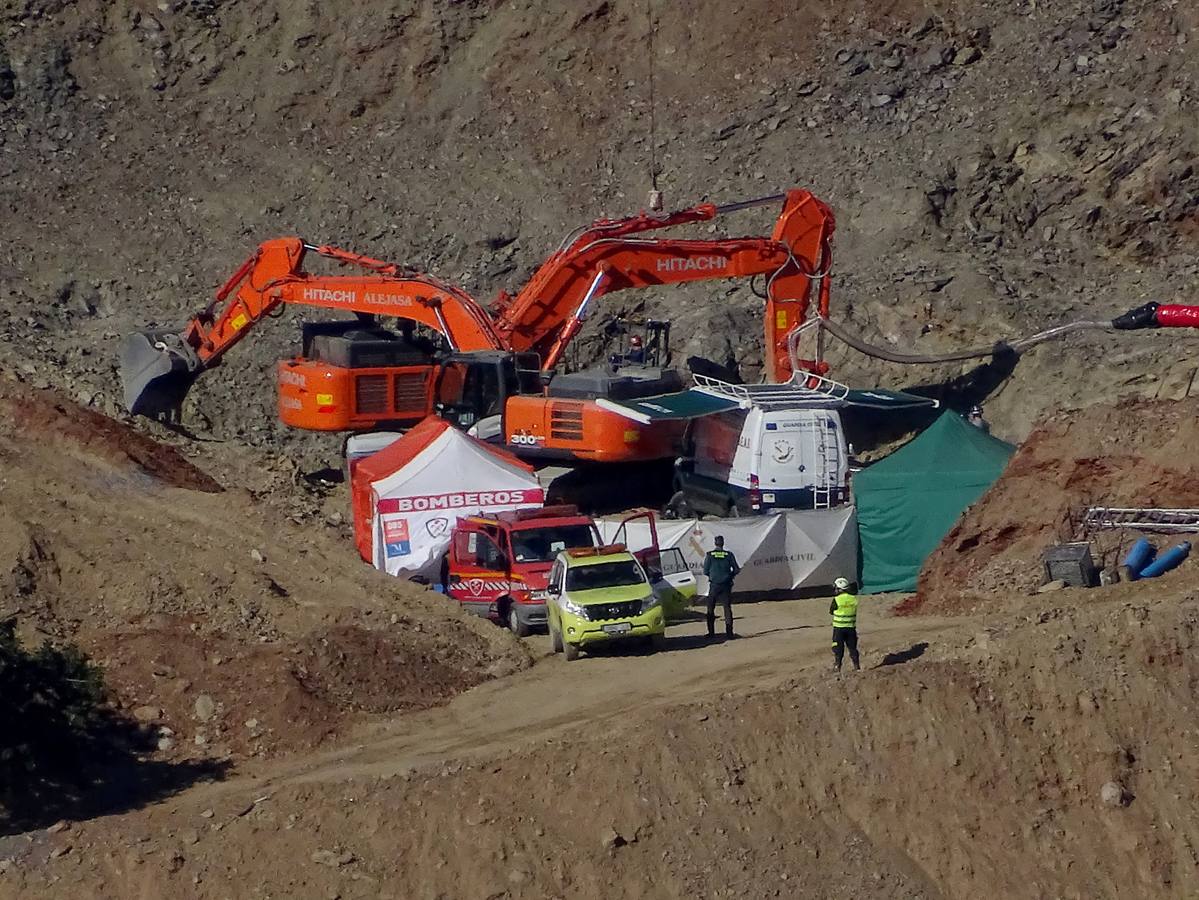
<point>66,752</point>
<point>117,787</point>
<point>902,656</point>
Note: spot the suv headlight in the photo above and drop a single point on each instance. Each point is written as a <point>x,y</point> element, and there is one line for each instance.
<point>649,602</point>
<point>575,609</point>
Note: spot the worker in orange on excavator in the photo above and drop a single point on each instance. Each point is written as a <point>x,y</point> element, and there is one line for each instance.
<point>636,354</point>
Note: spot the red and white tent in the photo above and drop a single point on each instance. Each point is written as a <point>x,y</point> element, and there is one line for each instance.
<point>407,497</point>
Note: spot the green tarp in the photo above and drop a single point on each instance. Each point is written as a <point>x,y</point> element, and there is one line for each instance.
<point>678,407</point>
<point>909,501</point>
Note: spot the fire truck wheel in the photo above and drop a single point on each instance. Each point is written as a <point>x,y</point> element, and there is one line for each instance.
<point>519,628</point>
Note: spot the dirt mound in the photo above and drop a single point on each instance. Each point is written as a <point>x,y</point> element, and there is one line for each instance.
<point>43,415</point>
<point>230,630</point>
<point>1130,454</point>
<point>287,695</point>
<point>1067,729</point>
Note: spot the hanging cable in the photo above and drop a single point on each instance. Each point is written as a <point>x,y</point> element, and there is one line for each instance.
<point>1019,345</point>
<point>655,195</point>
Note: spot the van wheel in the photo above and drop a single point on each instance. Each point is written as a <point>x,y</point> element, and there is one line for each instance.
<point>518,628</point>
<point>555,639</point>
<point>570,651</point>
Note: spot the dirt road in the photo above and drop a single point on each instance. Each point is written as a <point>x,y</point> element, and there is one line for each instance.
<point>730,770</point>
<point>778,638</point>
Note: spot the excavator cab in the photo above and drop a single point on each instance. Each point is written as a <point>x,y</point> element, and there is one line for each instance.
<point>651,350</point>
<point>472,389</point>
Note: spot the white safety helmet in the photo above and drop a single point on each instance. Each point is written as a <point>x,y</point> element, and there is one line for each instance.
<point>841,584</point>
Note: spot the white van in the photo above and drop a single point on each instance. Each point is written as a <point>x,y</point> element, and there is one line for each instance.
<point>358,447</point>
<point>769,456</point>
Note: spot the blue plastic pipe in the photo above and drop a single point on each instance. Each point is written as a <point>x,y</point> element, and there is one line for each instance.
<point>1139,556</point>
<point>1171,559</point>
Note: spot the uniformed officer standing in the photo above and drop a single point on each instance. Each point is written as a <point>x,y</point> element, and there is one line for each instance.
<point>720,566</point>
<point>844,609</point>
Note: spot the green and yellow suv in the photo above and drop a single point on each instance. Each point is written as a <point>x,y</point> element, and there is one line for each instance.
<point>601,594</point>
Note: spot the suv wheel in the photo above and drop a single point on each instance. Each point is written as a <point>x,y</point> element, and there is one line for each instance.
<point>569,650</point>
<point>555,639</point>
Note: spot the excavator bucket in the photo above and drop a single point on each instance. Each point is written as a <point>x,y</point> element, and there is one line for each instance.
<point>157,369</point>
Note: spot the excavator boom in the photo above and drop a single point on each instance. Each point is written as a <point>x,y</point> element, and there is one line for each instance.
<point>614,255</point>
<point>158,367</point>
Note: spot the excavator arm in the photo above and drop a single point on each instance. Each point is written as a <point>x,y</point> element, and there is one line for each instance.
<point>158,367</point>
<point>613,255</point>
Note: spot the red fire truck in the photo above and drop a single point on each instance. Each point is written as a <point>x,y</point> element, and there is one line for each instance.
<point>497,565</point>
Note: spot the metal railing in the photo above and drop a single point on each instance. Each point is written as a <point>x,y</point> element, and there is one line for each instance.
<point>803,389</point>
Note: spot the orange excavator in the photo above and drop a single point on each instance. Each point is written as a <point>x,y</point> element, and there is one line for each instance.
<point>496,368</point>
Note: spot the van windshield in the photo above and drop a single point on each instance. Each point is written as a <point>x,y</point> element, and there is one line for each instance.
<point>623,573</point>
<point>543,544</point>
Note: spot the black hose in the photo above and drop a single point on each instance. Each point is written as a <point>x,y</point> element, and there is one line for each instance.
<point>1000,347</point>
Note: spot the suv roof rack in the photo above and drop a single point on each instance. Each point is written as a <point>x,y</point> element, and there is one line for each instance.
<point>805,389</point>
<point>583,552</point>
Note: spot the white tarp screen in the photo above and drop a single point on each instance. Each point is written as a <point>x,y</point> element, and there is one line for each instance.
<point>415,507</point>
<point>777,552</point>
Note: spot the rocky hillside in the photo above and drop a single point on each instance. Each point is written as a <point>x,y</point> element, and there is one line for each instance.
<point>994,166</point>
<point>1115,455</point>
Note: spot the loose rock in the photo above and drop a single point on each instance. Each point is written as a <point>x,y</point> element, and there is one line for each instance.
<point>333,858</point>
<point>147,713</point>
<point>205,707</point>
<point>611,839</point>
<point>1114,795</point>
<point>967,56</point>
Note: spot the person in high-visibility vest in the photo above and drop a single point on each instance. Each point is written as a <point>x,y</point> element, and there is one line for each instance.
<point>844,609</point>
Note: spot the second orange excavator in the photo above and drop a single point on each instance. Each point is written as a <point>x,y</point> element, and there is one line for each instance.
<point>496,371</point>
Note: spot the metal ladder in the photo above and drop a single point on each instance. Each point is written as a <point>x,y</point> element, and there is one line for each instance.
<point>1169,521</point>
<point>822,495</point>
